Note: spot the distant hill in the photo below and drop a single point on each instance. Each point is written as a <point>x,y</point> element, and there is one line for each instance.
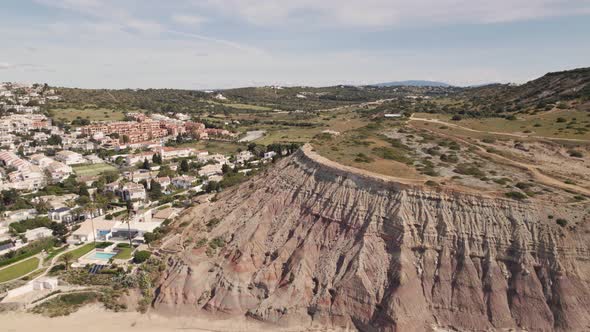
<point>540,93</point>
<point>413,83</point>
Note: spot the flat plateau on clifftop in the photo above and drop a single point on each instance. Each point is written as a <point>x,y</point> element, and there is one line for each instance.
<point>453,154</point>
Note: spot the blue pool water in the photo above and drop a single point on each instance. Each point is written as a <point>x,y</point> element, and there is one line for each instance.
<point>105,256</point>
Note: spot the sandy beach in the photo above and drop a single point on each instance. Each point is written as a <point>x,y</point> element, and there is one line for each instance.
<point>94,318</point>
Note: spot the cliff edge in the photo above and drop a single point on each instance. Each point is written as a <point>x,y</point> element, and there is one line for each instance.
<point>314,242</point>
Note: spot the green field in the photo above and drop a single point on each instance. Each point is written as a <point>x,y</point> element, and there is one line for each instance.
<point>18,270</point>
<point>92,114</point>
<point>83,250</point>
<point>242,106</point>
<point>92,170</point>
<point>289,134</point>
<point>124,253</point>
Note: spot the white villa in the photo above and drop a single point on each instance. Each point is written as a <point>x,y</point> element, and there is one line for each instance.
<point>184,181</point>
<point>70,157</point>
<point>38,233</point>
<point>102,230</point>
<point>115,230</point>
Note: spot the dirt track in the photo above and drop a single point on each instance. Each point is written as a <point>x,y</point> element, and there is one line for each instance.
<point>532,169</point>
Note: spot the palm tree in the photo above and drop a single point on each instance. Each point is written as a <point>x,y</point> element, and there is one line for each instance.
<point>89,209</point>
<point>129,217</point>
<point>67,259</point>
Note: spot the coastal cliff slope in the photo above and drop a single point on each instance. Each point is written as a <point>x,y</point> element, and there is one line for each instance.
<point>312,242</point>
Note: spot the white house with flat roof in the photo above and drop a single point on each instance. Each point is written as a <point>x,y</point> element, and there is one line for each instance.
<point>61,214</point>
<point>101,228</point>
<point>183,181</point>
<point>70,157</point>
<point>38,233</point>
<point>133,192</point>
<point>135,228</point>
<point>211,169</point>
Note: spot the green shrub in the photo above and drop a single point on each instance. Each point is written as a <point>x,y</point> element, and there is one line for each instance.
<point>469,169</point>
<point>141,256</point>
<point>391,154</point>
<point>449,158</point>
<point>523,185</point>
<point>561,222</point>
<point>516,195</point>
<point>25,225</point>
<point>454,146</point>
<point>201,242</point>
<point>212,223</point>
<point>363,158</point>
<point>102,245</point>
<point>502,181</point>
<point>217,242</point>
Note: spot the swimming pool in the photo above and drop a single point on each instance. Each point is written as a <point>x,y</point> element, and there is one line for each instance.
<point>103,256</point>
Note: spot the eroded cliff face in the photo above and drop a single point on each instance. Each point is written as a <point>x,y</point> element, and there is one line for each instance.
<point>314,242</point>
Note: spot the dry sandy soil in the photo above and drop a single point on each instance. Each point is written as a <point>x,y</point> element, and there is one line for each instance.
<point>95,318</point>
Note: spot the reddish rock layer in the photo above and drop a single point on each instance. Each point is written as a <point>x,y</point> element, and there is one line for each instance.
<point>313,242</point>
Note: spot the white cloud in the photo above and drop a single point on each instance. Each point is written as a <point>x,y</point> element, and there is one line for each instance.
<point>188,19</point>
<point>383,13</point>
<point>105,12</point>
<point>118,18</point>
<point>149,43</point>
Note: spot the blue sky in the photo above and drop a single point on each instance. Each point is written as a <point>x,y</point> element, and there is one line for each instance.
<point>197,44</point>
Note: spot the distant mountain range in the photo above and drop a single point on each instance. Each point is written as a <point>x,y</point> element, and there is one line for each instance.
<point>413,83</point>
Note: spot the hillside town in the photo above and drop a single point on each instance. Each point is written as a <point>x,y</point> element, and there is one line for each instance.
<point>102,191</point>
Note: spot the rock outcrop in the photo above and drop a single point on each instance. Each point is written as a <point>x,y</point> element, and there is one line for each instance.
<point>311,241</point>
